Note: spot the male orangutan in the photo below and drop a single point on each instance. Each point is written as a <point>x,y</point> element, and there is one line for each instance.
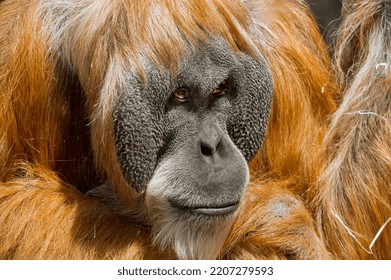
<point>196,129</point>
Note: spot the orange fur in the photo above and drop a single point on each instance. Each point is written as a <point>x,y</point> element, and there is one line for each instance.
<point>356,183</point>
<point>290,160</point>
<point>60,75</point>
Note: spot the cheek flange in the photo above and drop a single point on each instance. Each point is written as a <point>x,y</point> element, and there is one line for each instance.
<point>138,138</point>
<point>249,118</point>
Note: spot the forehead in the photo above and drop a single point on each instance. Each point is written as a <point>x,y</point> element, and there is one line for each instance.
<point>201,65</point>
<point>210,61</point>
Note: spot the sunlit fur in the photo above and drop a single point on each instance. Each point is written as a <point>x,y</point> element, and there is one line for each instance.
<point>356,183</point>
<point>291,159</point>
<point>326,153</point>
<point>339,169</point>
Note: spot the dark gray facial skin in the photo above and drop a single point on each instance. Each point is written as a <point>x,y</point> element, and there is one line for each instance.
<point>201,143</point>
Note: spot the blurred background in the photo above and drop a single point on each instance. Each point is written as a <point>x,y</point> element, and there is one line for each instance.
<point>327,13</point>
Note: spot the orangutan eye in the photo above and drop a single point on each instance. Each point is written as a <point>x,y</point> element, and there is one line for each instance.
<point>181,94</point>
<point>220,89</point>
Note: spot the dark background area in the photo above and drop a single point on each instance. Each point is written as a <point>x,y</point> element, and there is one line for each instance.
<point>327,13</point>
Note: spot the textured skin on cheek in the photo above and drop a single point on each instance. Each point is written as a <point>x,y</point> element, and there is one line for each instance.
<point>138,135</point>
<point>248,121</point>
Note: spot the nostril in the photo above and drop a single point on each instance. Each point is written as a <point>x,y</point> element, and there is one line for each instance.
<point>206,150</point>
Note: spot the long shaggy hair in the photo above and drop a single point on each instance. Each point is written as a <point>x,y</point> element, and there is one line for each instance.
<point>320,184</point>
<point>353,196</point>
<point>340,166</point>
